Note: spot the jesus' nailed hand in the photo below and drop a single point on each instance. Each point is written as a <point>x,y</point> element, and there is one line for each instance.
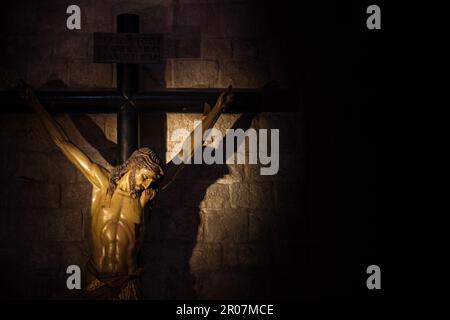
<point>118,200</point>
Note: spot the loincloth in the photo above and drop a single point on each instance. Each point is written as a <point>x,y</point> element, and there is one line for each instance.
<point>126,287</point>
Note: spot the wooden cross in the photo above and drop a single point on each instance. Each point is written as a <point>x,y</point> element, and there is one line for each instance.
<point>127,49</point>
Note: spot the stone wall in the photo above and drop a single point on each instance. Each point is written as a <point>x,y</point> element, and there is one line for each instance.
<point>221,231</point>
<point>207,43</point>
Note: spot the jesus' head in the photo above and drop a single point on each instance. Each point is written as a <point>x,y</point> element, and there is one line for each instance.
<point>144,168</point>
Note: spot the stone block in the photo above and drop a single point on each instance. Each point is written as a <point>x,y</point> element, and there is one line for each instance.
<point>205,15</point>
<point>95,17</point>
<point>43,71</point>
<point>86,223</point>
<point>189,14</point>
<point>11,71</point>
<point>206,195</point>
<point>155,19</point>
<point>15,50</point>
<point>224,285</point>
<point>291,168</point>
<point>86,131</point>
<point>76,195</point>
<point>10,125</point>
<point>111,127</point>
<point>170,198</point>
<point>242,74</point>
<point>216,49</point>
<point>33,195</point>
<point>95,22</point>
<point>45,225</point>
<point>19,16</point>
<point>153,287</point>
<point>7,167</point>
<point>285,72</point>
<point>292,136</point>
<point>86,74</point>
<point>227,121</point>
<point>204,174</point>
<point>20,223</point>
<point>189,47</point>
<point>15,46</point>
<point>162,259</point>
<point>191,73</point>
<point>276,50</point>
<point>217,197</point>
<point>32,286</point>
<point>153,129</point>
<point>64,225</point>
<point>181,224</point>
<point>184,42</point>
<point>252,195</point>
<point>254,255</point>
<point>41,48</point>
<point>152,76</point>
<point>206,257</point>
<point>76,253</point>
<point>264,226</point>
<point>245,49</point>
<point>290,195</point>
<point>184,121</point>
<point>51,16</point>
<point>234,174</point>
<point>105,158</point>
<point>230,259</point>
<point>71,46</point>
<point>229,225</point>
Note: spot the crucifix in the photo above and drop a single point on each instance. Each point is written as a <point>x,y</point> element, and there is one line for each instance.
<point>120,196</point>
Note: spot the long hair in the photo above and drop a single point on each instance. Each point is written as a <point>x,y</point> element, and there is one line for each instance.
<point>141,158</point>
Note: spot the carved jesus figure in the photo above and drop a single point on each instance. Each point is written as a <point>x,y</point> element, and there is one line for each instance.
<point>118,201</point>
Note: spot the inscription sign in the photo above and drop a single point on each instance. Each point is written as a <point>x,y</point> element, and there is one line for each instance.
<point>127,47</point>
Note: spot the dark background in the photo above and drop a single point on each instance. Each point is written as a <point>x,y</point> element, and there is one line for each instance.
<point>342,90</point>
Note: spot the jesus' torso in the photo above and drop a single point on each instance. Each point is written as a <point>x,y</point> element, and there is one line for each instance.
<point>117,231</point>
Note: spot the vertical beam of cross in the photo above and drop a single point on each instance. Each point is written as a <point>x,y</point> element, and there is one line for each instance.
<point>127,85</point>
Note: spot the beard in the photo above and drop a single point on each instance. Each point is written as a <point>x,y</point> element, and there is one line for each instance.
<point>135,192</point>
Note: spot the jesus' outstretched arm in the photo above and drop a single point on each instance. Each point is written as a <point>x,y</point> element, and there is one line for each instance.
<point>210,117</point>
<point>96,175</point>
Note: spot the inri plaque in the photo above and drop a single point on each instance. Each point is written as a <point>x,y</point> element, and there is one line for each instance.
<point>127,47</point>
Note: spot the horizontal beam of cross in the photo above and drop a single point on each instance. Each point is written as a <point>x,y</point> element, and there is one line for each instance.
<point>177,100</point>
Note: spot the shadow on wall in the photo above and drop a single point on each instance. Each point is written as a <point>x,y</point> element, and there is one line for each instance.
<point>94,135</point>
<point>173,223</point>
